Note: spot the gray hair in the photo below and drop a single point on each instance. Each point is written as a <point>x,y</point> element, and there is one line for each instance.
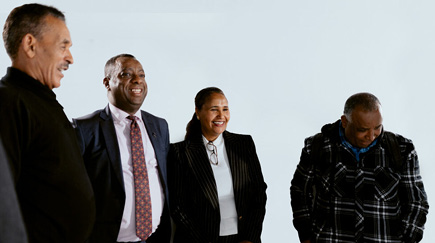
<point>26,19</point>
<point>366,101</point>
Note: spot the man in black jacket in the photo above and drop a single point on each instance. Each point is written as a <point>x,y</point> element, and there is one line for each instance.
<point>54,192</point>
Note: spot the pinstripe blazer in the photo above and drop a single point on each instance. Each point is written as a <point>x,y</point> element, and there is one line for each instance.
<point>194,201</point>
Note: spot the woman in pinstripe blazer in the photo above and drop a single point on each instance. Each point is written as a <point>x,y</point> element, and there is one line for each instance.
<point>217,190</point>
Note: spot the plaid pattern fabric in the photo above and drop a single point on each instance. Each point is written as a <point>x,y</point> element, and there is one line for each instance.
<point>366,201</point>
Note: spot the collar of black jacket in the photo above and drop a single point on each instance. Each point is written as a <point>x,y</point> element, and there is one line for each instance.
<point>20,79</point>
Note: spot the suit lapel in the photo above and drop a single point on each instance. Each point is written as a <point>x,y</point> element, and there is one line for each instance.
<point>199,162</point>
<point>151,131</point>
<point>109,134</point>
<point>156,140</point>
<point>232,147</point>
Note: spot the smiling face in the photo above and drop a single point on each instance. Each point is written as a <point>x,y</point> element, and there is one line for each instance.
<point>52,54</point>
<point>126,85</point>
<point>214,116</point>
<point>363,127</point>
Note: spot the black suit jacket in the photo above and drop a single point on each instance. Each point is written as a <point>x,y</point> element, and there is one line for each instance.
<point>99,146</point>
<point>194,200</point>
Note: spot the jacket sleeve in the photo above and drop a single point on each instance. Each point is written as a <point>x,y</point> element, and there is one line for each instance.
<point>413,197</point>
<point>301,193</point>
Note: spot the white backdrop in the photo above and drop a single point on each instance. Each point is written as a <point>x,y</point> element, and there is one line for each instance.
<point>286,67</point>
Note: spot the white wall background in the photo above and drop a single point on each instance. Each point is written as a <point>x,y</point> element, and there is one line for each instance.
<point>286,67</point>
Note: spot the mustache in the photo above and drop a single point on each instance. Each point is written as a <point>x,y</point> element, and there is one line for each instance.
<point>65,65</point>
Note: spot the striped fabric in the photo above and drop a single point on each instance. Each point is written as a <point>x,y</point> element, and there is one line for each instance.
<point>193,194</point>
<point>358,202</point>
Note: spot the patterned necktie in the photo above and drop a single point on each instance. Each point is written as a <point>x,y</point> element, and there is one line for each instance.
<point>141,185</point>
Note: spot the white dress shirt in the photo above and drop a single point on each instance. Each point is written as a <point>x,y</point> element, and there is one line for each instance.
<point>224,183</point>
<point>122,124</point>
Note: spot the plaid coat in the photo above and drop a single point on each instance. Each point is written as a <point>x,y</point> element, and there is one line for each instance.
<point>338,199</point>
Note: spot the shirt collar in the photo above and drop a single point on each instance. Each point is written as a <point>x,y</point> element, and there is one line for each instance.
<point>218,141</point>
<point>119,115</point>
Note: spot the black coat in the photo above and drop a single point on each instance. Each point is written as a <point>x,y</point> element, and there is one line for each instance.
<point>194,200</point>
<point>53,190</point>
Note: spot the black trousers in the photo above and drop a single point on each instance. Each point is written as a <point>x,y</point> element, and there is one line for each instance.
<point>228,239</point>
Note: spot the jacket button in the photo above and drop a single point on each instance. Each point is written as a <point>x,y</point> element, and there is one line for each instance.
<point>240,217</point>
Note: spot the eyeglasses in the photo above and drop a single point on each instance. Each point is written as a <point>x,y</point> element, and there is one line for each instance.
<point>213,156</point>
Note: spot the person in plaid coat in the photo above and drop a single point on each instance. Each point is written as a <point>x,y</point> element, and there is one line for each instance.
<point>356,182</point>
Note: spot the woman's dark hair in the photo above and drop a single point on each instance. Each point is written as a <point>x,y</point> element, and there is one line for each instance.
<point>193,128</point>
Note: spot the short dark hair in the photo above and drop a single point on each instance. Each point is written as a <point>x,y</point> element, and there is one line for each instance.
<point>193,128</point>
<point>28,18</point>
<point>108,68</point>
<point>366,101</point>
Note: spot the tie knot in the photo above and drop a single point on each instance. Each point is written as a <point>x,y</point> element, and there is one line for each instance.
<point>133,121</point>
